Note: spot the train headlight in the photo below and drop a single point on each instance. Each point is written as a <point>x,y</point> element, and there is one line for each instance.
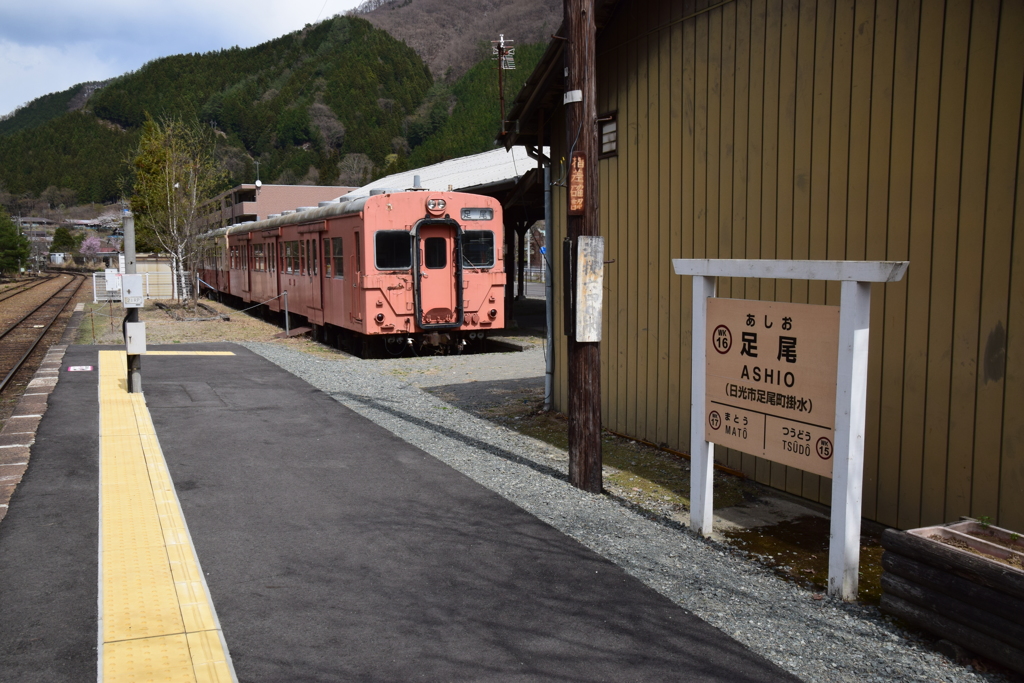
<point>493,313</point>
<point>435,205</point>
<point>380,318</point>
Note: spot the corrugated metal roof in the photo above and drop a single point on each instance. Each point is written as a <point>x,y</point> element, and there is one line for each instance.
<point>463,174</point>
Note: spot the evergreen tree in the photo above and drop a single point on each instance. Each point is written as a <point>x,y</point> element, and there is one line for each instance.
<point>14,247</point>
<point>63,241</point>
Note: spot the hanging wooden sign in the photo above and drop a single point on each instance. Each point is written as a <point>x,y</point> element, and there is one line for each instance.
<point>577,173</point>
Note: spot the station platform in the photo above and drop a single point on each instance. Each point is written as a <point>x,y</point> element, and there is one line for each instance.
<point>235,523</point>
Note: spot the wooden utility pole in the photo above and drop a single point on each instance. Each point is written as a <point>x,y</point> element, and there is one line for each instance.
<point>581,130</point>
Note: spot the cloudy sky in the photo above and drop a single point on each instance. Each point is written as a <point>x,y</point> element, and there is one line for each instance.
<point>49,45</point>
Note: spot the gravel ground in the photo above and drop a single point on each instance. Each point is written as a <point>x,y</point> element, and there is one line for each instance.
<point>818,639</point>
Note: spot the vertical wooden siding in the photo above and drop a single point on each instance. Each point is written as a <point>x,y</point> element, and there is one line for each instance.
<point>840,129</point>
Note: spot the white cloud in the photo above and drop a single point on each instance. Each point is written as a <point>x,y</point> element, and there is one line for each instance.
<point>31,71</point>
<point>48,47</point>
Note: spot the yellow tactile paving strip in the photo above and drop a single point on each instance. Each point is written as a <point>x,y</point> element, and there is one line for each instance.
<point>156,619</point>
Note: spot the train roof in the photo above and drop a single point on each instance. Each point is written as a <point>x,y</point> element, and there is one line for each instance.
<point>328,210</point>
<point>320,213</point>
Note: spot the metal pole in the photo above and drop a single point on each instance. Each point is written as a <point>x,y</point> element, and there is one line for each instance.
<point>549,292</point>
<point>134,360</point>
<point>581,139</point>
<point>521,261</point>
<point>287,324</point>
<point>501,83</point>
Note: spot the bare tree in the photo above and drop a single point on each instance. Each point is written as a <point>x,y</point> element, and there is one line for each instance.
<point>175,171</point>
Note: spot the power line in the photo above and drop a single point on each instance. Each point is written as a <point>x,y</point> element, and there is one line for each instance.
<point>320,12</point>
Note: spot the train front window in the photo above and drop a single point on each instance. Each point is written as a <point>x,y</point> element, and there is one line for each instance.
<point>392,250</point>
<point>477,248</point>
<point>435,252</point>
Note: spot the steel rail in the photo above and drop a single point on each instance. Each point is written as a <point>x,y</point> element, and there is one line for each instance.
<point>17,366</point>
<point>22,319</point>
<point>19,289</point>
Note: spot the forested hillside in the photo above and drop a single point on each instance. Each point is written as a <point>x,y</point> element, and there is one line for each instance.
<point>338,102</point>
<point>453,35</point>
<point>475,119</point>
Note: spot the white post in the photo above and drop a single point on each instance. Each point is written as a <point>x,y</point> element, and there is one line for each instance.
<point>848,466</point>
<point>702,453</point>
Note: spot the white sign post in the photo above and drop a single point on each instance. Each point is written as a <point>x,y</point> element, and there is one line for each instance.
<point>851,392</point>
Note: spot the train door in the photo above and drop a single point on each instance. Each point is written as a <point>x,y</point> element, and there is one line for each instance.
<point>355,299</point>
<point>315,269</point>
<point>272,268</point>
<point>437,268</point>
<point>246,254</point>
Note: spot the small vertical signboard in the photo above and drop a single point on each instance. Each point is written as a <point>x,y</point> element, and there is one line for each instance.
<point>771,380</point>
<point>577,173</point>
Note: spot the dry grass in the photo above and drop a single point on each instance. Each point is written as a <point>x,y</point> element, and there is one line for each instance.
<point>102,325</point>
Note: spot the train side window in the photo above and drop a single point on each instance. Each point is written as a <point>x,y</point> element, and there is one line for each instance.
<point>302,257</point>
<point>288,257</point>
<point>327,257</point>
<point>272,258</point>
<point>339,257</point>
<point>392,250</point>
<point>478,248</point>
<point>314,263</point>
<point>435,252</point>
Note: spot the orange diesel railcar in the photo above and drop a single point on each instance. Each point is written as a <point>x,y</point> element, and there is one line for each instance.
<point>416,271</point>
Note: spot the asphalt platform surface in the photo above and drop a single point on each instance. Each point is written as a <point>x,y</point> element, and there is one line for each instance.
<point>333,550</point>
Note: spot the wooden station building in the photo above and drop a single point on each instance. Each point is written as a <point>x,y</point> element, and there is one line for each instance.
<point>817,129</point>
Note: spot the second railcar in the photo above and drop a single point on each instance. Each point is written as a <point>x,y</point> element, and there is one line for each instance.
<point>415,270</point>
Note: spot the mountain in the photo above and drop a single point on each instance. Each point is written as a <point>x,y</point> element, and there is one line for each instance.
<point>337,102</point>
<point>453,35</point>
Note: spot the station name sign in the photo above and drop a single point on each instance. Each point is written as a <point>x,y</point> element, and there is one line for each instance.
<point>771,380</point>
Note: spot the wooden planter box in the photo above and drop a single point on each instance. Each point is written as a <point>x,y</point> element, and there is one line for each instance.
<point>964,597</point>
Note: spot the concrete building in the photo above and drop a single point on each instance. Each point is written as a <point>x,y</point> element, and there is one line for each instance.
<point>251,203</point>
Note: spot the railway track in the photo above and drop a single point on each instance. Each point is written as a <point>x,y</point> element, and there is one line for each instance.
<point>21,337</point>
<point>15,290</point>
